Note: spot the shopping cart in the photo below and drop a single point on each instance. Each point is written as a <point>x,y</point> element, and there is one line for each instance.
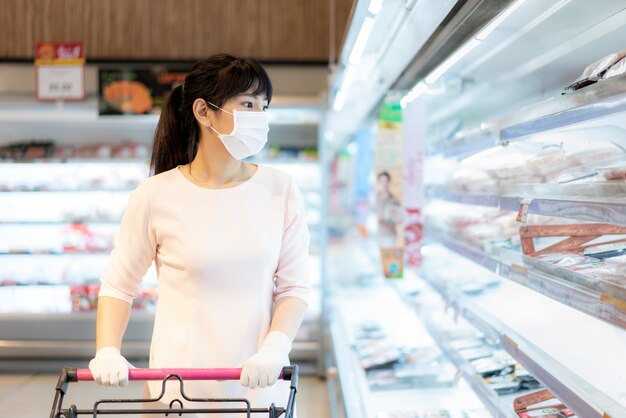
<point>176,406</point>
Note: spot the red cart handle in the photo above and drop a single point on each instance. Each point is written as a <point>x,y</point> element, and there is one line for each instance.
<point>160,374</point>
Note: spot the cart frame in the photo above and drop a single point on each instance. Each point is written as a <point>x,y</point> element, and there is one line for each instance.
<point>70,375</point>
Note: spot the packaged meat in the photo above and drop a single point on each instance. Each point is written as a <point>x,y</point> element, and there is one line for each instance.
<point>597,70</point>
<point>618,69</point>
<point>613,173</point>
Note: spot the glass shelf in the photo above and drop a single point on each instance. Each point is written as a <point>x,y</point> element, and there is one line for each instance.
<point>91,190</point>
<point>604,98</point>
<point>551,350</point>
<point>46,253</point>
<point>63,222</point>
<point>600,300</point>
<point>51,162</point>
<point>380,303</point>
<point>498,406</point>
<point>464,145</point>
<point>609,211</point>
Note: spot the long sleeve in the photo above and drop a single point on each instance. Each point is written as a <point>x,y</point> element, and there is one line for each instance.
<point>292,275</point>
<point>133,251</point>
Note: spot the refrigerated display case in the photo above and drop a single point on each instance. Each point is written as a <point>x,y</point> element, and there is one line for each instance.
<point>525,209</point>
<point>58,218</point>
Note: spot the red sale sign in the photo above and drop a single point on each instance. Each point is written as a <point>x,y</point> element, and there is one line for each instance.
<point>60,70</point>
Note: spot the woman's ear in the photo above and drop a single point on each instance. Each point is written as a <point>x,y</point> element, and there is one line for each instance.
<point>202,113</point>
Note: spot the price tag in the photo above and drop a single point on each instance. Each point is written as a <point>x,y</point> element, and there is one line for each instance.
<point>60,70</point>
<point>522,213</point>
<point>60,82</point>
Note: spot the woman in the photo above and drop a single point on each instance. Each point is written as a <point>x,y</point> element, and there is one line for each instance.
<point>229,240</point>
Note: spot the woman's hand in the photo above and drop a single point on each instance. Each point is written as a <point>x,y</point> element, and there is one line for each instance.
<point>109,367</point>
<point>263,368</point>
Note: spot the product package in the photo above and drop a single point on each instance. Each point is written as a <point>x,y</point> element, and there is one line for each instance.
<point>606,67</point>
<point>542,404</point>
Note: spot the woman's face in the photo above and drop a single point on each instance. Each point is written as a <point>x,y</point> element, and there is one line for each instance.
<point>245,102</point>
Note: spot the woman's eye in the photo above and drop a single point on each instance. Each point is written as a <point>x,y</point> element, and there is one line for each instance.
<point>248,105</point>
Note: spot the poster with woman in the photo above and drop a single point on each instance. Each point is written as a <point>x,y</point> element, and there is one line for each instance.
<point>389,189</point>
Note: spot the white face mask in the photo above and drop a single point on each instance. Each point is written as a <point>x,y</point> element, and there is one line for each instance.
<point>249,134</point>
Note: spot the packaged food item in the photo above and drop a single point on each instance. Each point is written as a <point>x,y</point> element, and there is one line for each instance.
<point>477,353</point>
<point>618,69</point>
<point>505,385</point>
<point>542,404</point>
<point>597,70</point>
<point>613,173</point>
<point>495,365</point>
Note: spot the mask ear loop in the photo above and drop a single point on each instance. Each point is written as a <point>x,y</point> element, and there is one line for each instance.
<point>223,110</point>
<point>217,107</point>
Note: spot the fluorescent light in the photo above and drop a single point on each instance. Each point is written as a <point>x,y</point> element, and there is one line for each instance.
<point>419,89</point>
<point>452,59</point>
<point>361,40</point>
<point>375,6</point>
<point>348,76</point>
<point>340,100</point>
<point>486,31</point>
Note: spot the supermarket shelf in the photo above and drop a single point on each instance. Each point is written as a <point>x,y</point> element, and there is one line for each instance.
<point>587,401</point>
<point>488,397</point>
<point>95,190</point>
<point>464,146</point>
<point>65,161</point>
<point>2,253</point>
<point>499,406</point>
<point>601,99</point>
<point>68,222</point>
<point>582,210</point>
<point>350,375</point>
<point>606,304</point>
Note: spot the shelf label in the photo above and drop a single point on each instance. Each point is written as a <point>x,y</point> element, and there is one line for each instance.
<point>522,214</point>
<point>60,71</point>
<point>618,303</point>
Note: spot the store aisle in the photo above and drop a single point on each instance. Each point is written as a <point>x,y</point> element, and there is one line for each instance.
<point>30,395</point>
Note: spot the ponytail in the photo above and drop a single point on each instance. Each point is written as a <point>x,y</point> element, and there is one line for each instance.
<point>175,140</point>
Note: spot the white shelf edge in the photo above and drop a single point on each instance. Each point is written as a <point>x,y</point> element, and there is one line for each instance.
<point>589,301</point>
<point>604,98</point>
<point>582,210</point>
<point>507,339</point>
<point>351,377</point>
<point>487,396</point>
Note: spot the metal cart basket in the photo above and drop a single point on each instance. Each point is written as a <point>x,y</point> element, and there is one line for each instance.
<point>176,407</point>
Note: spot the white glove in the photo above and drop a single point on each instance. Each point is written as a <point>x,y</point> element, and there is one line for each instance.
<point>109,367</point>
<point>263,368</point>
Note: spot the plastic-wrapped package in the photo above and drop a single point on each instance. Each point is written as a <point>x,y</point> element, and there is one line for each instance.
<point>471,180</point>
<point>597,70</point>
<point>613,173</point>
<point>618,69</point>
<point>563,259</point>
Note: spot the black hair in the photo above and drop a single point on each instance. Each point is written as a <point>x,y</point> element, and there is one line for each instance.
<point>215,79</point>
<point>384,174</point>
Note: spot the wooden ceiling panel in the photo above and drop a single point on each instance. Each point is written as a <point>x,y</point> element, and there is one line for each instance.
<point>271,30</point>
